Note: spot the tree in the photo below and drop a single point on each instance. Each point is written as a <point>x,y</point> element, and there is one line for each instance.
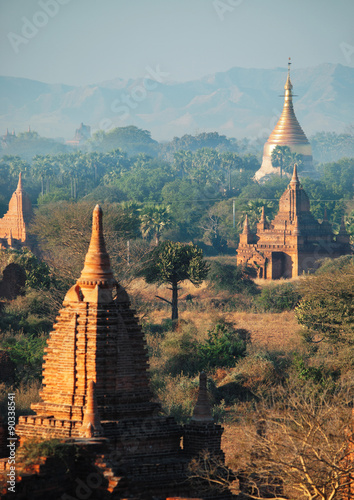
<point>299,447</point>
<point>326,309</point>
<point>173,263</point>
<point>64,230</point>
<point>154,219</point>
<point>283,158</point>
<point>254,211</point>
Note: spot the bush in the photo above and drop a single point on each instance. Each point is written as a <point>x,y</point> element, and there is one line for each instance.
<point>31,450</point>
<point>317,374</point>
<point>223,347</point>
<point>27,354</point>
<point>278,298</point>
<point>25,314</point>
<point>234,279</point>
<point>37,271</point>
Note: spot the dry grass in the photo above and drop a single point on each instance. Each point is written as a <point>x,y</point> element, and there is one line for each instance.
<point>25,395</point>
<point>273,331</point>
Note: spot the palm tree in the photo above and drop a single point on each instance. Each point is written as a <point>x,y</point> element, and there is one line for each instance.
<point>154,219</point>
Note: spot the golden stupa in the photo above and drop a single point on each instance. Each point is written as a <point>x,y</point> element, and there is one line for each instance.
<point>287,132</point>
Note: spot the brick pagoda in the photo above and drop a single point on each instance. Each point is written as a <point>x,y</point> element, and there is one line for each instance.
<point>96,389</point>
<point>294,241</point>
<point>13,226</point>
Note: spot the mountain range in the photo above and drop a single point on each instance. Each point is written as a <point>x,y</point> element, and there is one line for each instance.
<point>238,103</point>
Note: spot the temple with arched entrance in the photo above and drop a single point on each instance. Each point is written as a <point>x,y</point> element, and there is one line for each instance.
<point>294,242</point>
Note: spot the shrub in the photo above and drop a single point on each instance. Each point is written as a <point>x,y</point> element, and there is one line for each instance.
<point>37,271</point>
<point>278,298</point>
<point>317,374</point>
<point>234,279</point>
<point>27,354</point>
<point>223,347</point>
<point>31,450</point>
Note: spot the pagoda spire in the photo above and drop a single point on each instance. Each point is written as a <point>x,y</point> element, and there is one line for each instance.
<point>263,218</point>
<point>97,268</point>
<point>202,409</point>
<point>19,185</point>
<point>246,227</point>
<point>287,132</point>
<point>295,183</point>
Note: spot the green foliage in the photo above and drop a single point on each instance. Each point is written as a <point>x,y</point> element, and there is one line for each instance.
<point>329,146</point>
<point>37,271</point>
<point>154,220</point>
<point>317,374</point>
<point>173,262</point>
<point>131,139</point>
<point>278,298</point>
<point>254,211</point>
<point>326,309</point>
<point>223,347</point>
<point>232,278</point>
<point>31,450</point>
<point>27,354</point>
<point>283,157</point>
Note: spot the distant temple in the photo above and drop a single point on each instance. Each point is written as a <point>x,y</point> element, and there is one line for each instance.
<point>82,134</point>
<point>13,226</point>
<point>8,138</point>
<point>96,395</point>
<point>287,132</point>
<point>294,241</point>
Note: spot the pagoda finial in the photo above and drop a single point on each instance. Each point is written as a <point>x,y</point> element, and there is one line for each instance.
<point>263,218</point>
<point>295,180</point>
<point>288,85</point>
<point>342,229</point>
<point>97,268</point>
<point>202,409</point>
<point>246,227</point>
<point>19,185</point>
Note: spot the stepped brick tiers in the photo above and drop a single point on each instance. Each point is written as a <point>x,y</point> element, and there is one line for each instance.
<point>294,241</point>
<point>287,132</point>
<point>96,392</point>
<point>13,226</point>
<point>201,434</point>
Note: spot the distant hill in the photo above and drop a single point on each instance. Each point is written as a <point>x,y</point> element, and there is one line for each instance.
<point>237,103</point>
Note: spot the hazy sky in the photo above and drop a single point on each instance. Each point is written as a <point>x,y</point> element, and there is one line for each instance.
<point>88,41</point>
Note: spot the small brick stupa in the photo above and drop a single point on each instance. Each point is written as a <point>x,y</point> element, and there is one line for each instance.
<point>294,241</point>
<point>96,388</point>
<point>13,226</point>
